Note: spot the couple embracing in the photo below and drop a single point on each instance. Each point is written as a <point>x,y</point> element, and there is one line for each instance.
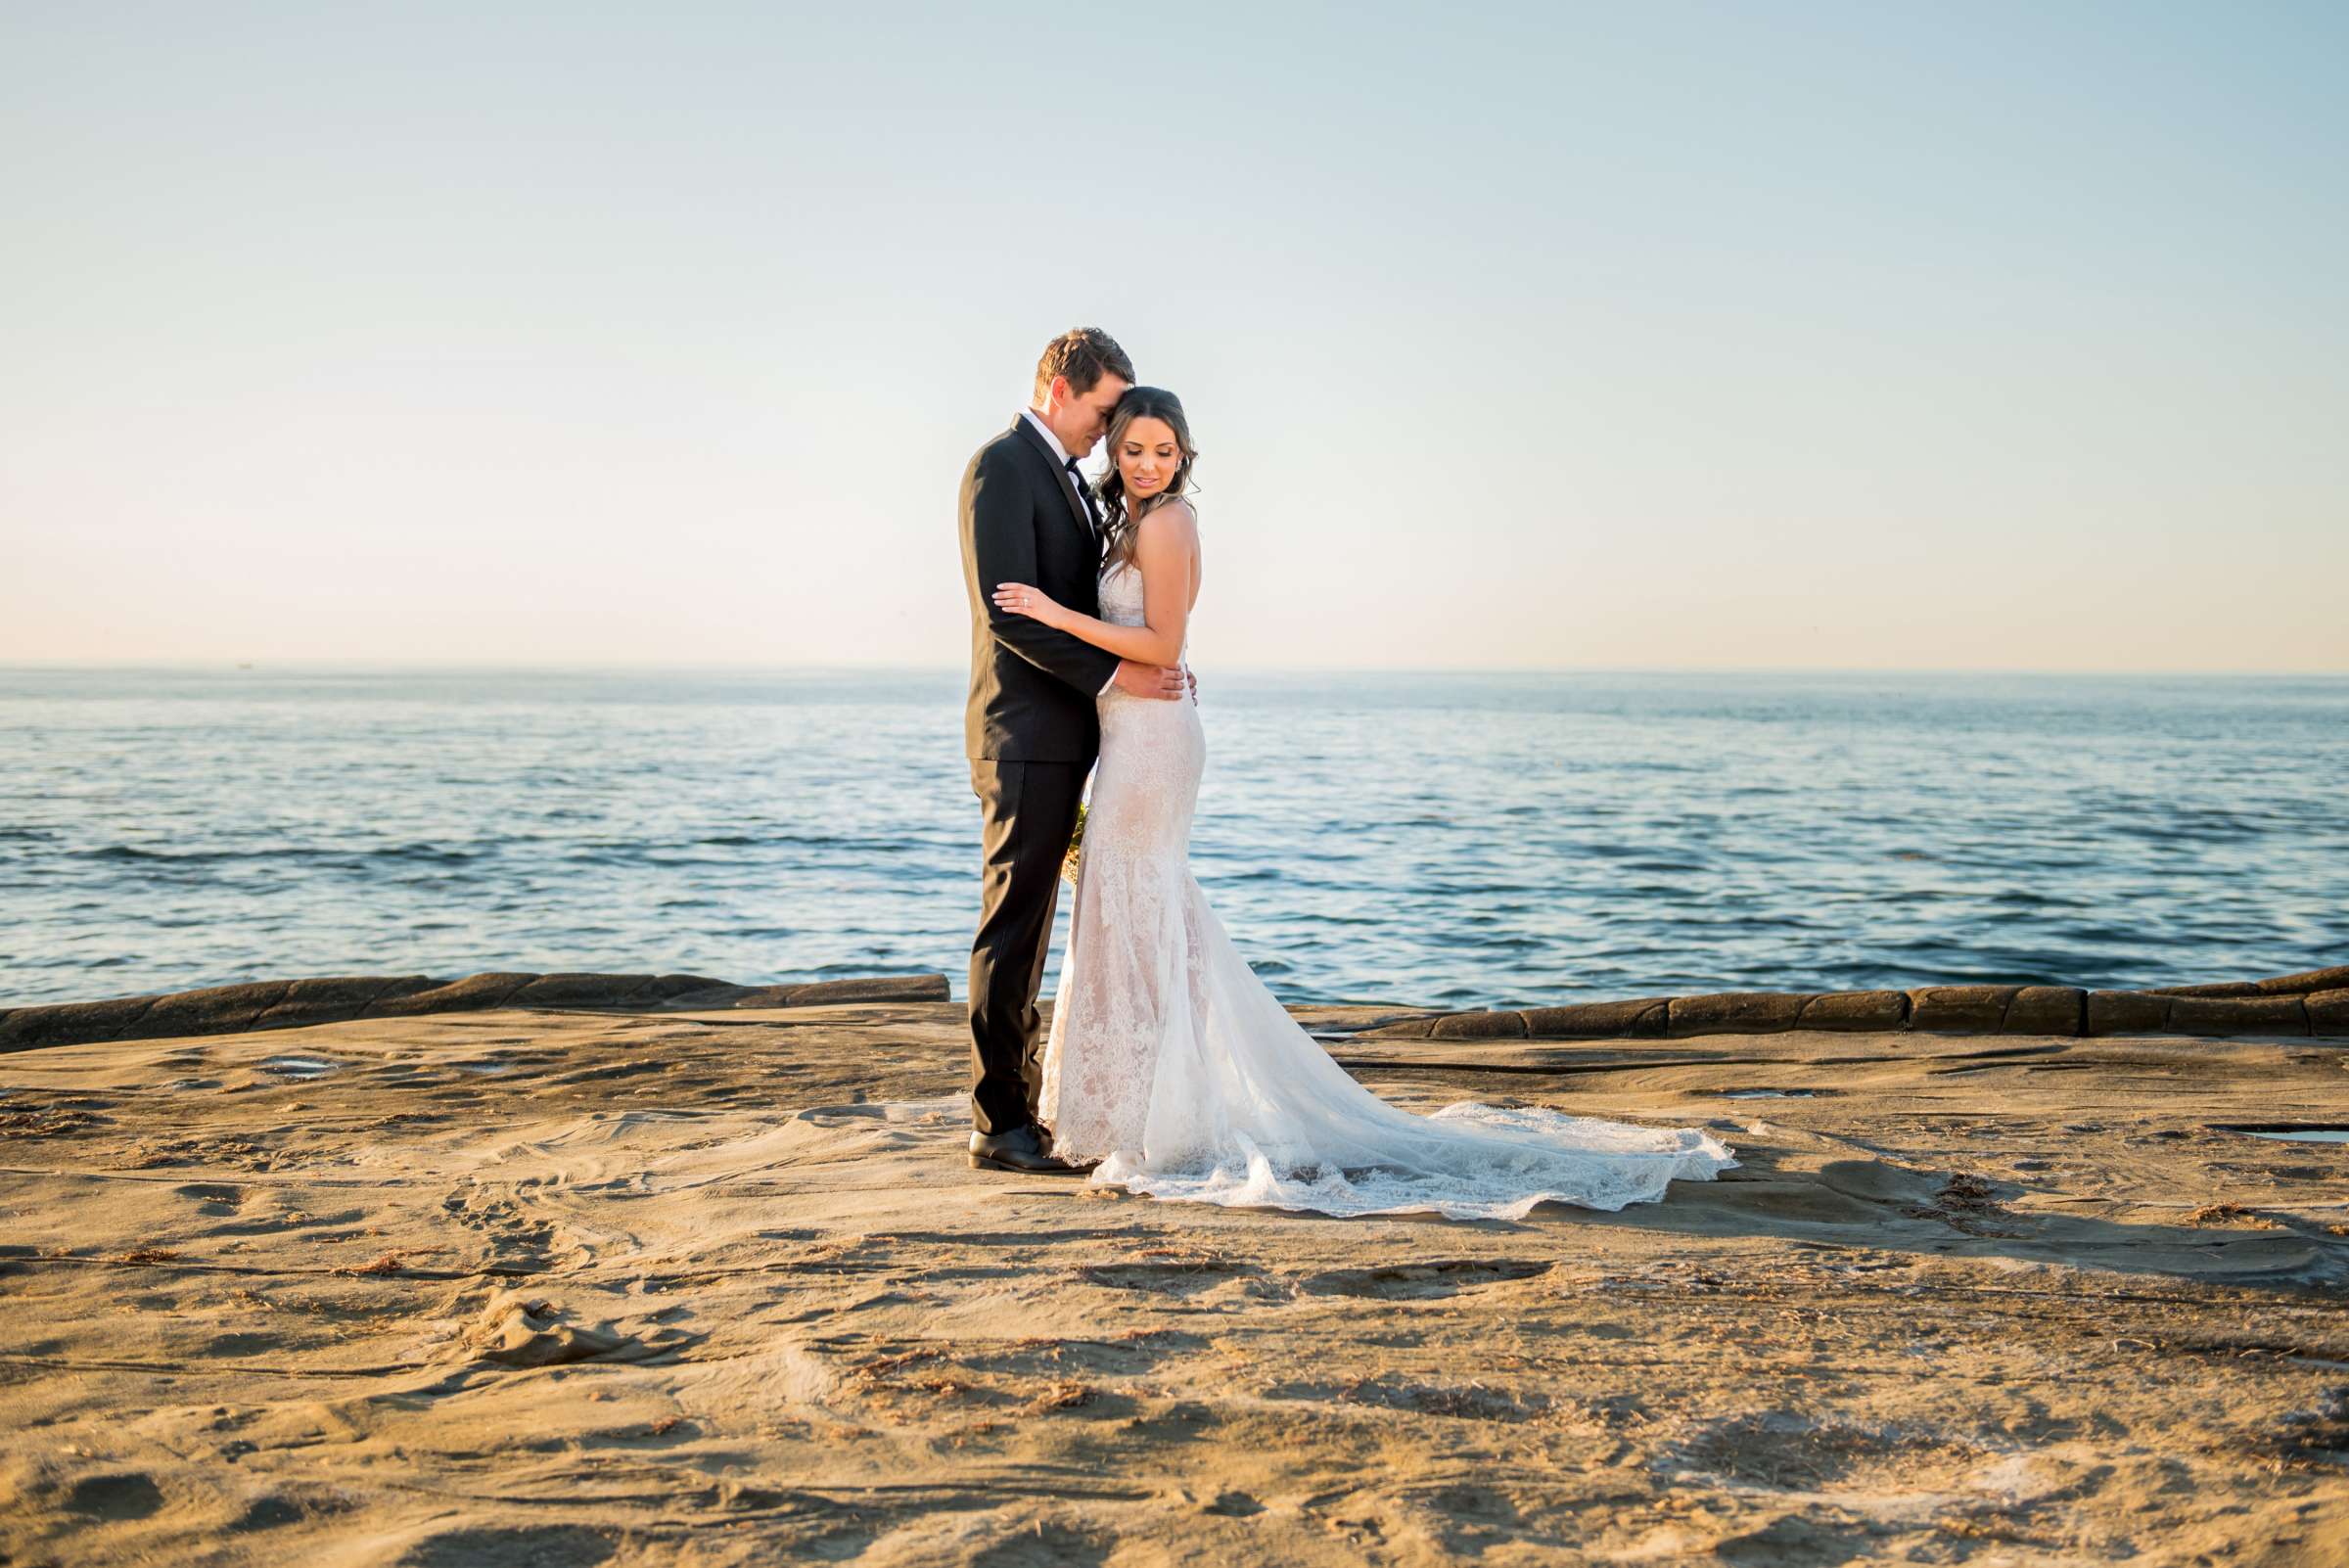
<point>1170,1070</point>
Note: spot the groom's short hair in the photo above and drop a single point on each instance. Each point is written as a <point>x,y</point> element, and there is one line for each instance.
<point>1083,354</point>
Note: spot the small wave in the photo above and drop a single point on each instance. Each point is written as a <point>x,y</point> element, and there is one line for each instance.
<point>127,852</point>
<point>2220,832</point>
<point>340,854</point>
<point>441,853</point>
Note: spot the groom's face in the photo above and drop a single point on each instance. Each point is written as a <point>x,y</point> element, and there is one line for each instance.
<point>1080,419</point>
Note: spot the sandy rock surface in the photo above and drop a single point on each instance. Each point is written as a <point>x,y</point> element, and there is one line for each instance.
<point>552,1288</point>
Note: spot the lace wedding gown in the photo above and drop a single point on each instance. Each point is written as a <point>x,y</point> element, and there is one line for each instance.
<point>1169,1062</point>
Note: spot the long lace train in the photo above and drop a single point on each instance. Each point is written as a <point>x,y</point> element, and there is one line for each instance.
<point>1172,1064</point>
<point>1244,1107</point>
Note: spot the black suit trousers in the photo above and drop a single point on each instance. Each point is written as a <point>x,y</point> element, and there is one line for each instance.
<point>1026,812</point>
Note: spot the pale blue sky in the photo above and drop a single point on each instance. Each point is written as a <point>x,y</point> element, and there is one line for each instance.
<point>1983,335</point>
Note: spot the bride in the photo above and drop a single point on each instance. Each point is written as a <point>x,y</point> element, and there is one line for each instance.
<point>1169,1066</point>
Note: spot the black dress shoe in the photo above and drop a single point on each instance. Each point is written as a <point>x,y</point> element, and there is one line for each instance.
<point>1023,1149</point>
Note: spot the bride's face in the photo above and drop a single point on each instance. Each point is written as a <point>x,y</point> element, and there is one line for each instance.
<point>1147,456</point>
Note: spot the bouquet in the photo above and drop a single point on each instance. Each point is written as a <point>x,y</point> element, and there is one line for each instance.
<point>1068,862</point>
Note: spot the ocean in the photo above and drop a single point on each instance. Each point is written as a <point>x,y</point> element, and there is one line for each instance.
<point>1448,839</point>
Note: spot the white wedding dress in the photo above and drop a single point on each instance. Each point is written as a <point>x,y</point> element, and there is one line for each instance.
<point>1169,1063</point>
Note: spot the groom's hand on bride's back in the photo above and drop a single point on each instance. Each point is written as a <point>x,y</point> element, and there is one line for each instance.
<point>1150,680</point>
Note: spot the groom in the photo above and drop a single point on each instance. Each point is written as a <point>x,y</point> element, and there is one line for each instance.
<point>1029,724</point>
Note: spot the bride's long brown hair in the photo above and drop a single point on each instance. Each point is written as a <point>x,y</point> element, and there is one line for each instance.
<point>1140,402</point>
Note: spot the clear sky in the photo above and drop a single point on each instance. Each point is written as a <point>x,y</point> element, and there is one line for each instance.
<point>1668,334</point>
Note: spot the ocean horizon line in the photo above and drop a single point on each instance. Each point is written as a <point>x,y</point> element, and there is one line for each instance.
<point>433,667</point>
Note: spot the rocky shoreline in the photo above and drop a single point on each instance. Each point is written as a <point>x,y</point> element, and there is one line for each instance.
<point>2312,1003</point>
<point>341,999</point>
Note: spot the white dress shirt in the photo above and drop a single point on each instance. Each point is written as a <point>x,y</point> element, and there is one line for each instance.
<point>1060,454</point>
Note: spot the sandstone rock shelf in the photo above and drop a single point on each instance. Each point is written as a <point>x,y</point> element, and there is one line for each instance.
<point>585,1288</point>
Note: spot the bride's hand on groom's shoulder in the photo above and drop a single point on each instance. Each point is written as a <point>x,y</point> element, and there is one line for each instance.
<point>1019,599</point>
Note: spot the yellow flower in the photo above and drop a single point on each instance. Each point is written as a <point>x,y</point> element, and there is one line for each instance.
<point>1068,862</point>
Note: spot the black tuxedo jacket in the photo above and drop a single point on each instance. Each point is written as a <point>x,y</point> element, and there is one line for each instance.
<point>1032,687</point>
